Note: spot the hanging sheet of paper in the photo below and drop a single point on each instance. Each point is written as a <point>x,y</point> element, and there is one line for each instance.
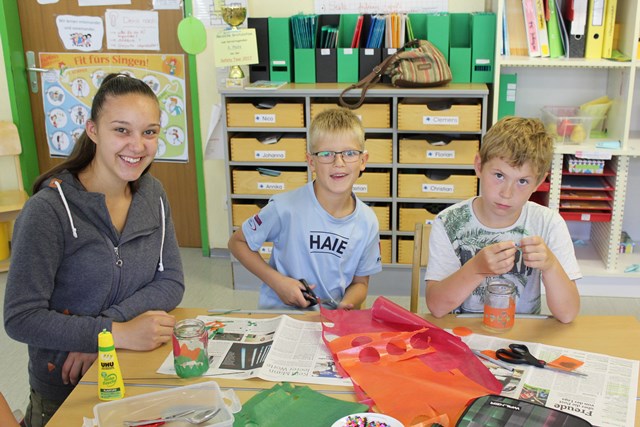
<point>132,29</point>
<point>236,47</point>
<point>82,33</point>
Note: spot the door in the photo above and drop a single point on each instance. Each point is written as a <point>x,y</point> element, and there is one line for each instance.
<point>40,34</point>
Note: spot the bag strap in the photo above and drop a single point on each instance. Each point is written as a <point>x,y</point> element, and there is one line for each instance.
<point>373,77</point>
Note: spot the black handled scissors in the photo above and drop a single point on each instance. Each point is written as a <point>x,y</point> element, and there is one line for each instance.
<point>308,293</point>
<point>519,354</point>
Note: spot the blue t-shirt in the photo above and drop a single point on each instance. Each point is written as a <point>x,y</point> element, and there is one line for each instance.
<point>310,244</point>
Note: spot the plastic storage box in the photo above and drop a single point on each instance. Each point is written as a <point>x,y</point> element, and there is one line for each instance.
<point>203,395</point>
<point>567,124</point>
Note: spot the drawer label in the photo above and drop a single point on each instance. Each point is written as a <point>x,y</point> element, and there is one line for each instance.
<point>271,186</point>
<point>265,118</point>
<point>441,154</point>
<point>267,155</point>
<point>438,188</point>
<point>360,188</point>
<point>266,250</point>
<point>441,120</point>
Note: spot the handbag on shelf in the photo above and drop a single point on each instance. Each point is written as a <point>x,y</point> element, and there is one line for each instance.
<point>417,64</point>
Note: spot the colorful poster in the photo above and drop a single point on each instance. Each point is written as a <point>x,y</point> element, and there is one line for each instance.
<point>83,33</point>
<point>68,92</point>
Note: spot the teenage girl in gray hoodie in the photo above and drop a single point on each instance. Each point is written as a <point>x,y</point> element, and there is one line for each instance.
<point>94,249</point>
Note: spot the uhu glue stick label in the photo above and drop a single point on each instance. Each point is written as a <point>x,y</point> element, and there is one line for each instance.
<point>110,384</point>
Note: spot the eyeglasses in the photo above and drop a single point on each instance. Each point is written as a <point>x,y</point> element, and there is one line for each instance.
<point>348,156</point>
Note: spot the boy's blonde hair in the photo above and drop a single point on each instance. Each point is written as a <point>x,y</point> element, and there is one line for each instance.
<point>332,122</point>
<point>518,140</point>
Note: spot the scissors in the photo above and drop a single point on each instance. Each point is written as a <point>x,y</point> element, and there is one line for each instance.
<point>519,354</point>
<point>308,293</point>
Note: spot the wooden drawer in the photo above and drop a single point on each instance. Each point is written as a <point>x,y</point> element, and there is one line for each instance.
<point>253,182</point>
<point>265,250</point>
<point>282,115</point>
<point>385,250</point>
<point>417,115</point>
<point>373,184</point>
<point>405,251</point>
<point>241,211</point>
<point>383,214</point>
<point>421,187</point>
<point>380,150</point>
<point>371,115</point>
<point>410,216</point>
<point>423,151</point>
<point>244,149</point>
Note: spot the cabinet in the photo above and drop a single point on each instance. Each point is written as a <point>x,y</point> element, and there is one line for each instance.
<point>561,81</point>
<point>421,145</point>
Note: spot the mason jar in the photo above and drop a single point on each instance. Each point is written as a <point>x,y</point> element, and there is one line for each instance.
<point>190,354</point>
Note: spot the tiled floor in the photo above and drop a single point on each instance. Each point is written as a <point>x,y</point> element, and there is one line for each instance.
<point>208,284</point>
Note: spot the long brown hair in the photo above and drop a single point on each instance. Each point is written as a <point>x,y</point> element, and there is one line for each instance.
<point>113,85</point>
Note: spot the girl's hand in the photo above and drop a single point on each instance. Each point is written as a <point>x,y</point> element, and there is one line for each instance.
<point>76,365</point>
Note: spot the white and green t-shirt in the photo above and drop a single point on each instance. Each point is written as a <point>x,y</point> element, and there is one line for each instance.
<point>457,236</point>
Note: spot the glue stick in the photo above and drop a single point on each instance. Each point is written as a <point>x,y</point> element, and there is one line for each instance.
<point>110,384</point>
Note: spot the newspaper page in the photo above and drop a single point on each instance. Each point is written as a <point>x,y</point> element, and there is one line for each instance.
<point>275,349</point>
<point>605,397</point>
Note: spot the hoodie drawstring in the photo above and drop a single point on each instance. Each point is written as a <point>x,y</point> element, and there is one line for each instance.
<point>66,206</point>
<point>164,226</point>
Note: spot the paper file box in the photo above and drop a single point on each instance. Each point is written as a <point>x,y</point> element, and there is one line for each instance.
<point>460,47</point>
<point>326,58</point>
<point>483,41</point>
<point>260,71</point>
<point>347,57</point>
<point>438,32</point>
<point>304,70</point>
<point>280,50</point>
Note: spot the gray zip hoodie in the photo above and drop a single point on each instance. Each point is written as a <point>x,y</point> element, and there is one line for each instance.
<point>72,273</point>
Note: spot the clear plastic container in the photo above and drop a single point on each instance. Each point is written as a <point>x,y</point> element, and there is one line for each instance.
<point>156,404</point>
<point>567,125</point>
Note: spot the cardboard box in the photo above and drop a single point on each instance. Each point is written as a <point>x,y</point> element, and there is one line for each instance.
<point>248,149</point>
<point>423,151</point>
<point>281,115</point>
<point>253,182</point>
<point>380,150</point>
<point>371,115</point>
<point>439,115</point>
<point>419,186</point>
<point>408,217</point>
<point>265,250</point>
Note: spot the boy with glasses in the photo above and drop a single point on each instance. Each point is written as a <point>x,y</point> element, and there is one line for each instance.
<point>321,232</point>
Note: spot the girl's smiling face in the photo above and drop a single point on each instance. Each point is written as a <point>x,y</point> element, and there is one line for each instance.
<point>126,136</point>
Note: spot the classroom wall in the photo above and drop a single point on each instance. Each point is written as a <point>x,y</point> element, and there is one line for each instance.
<point>214,170</point>
<point>8,180</point>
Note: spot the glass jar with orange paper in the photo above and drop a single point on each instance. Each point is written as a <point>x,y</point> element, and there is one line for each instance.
<point>190,355</point>
<point>499,305</point>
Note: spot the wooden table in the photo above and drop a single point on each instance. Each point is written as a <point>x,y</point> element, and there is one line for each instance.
<point>612,335</point>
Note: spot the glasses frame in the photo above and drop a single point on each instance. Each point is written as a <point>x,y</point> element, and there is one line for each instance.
<point>334,156</point>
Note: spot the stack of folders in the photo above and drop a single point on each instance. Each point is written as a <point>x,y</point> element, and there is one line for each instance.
<point>395,30</point>
<point>556,28</point>
<point>328,37</point>
<point>304,31</point>
<point>536,28</point>
<point>376,32</point>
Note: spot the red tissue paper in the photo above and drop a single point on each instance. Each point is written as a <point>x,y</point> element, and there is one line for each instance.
<point>405,366</point>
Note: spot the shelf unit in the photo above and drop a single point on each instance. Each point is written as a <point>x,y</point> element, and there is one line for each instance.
<point>398,128</point>
<point>573,81</point>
